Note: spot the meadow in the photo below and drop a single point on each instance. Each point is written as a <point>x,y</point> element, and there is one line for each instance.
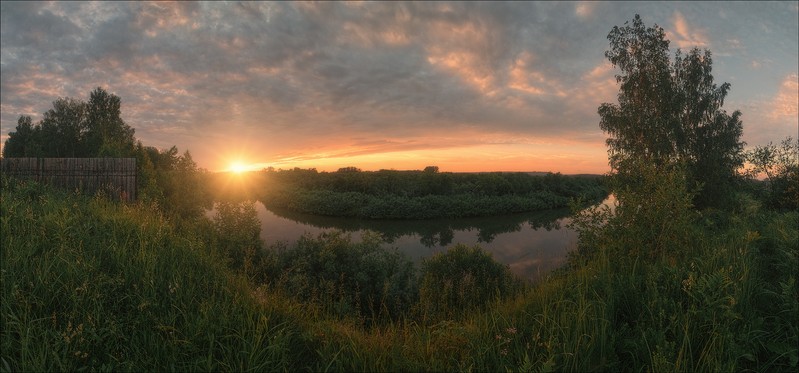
<point>93,284</point>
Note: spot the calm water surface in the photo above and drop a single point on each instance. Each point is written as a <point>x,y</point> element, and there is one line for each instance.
<point>531,244</point>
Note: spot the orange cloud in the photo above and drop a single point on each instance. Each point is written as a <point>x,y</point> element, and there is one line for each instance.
<point>463,50</point>
<point>684,35</point>
<point>784,105</point>
<point>524,78</point>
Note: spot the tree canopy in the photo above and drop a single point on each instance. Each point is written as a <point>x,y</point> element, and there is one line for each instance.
<point>669,113</point>
<point>74,128</point>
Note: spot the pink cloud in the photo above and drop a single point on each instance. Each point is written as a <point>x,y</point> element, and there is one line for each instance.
<point>684,35</point>
<point>784,105</point>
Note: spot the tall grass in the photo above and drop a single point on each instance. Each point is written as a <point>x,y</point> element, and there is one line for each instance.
<point>89,284</point>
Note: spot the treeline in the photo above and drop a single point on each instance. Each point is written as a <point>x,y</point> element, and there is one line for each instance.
<point>86,129</point>
<point>390,194</point>
<point>74,129</point>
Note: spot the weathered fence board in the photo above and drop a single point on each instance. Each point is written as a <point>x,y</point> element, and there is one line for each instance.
<point>116,176</point>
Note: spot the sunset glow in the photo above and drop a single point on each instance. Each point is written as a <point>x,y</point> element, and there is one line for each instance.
<point>238,167</point>
<point>467,87</point>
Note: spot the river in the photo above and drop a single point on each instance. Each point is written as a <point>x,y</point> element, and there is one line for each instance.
<point>531,244</point>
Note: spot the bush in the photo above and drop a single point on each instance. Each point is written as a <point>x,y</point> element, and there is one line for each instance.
<point>239,230</point>
<point>460,279</point>
<point>654,215</point>
<point>350,279</point>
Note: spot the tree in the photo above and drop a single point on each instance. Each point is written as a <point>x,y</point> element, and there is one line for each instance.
<point>781,167</point>
<point>107,134</point>
<point>63,129</point>
<point>670,113</point>
<point>74,128</point>
<point>183,185</point>
<point>24,141</point>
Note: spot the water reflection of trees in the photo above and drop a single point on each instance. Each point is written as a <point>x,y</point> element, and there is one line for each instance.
<point>433,232</point>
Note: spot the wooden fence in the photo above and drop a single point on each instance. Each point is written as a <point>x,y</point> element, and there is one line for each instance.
<point>115,176</point>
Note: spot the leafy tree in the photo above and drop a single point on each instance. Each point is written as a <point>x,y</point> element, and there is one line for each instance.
<point>63,129</point>
<point>74,128</point>
<point>670,113</point>
<point>183,184</point>
<point>60,133</point>
<point>147,174</point>
<point>107,134</point>
<point>781,166</point>
<point>23,142</point>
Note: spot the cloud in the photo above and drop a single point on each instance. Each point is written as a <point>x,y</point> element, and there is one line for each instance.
<point>785,104</point>
<point>305,79</point>
<point>684,35</point>
<point>584,9</point>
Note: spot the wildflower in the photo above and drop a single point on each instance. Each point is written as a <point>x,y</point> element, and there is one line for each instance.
<point>511,330</point>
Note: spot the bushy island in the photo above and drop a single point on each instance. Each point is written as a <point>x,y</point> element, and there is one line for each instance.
<point>390,194</point>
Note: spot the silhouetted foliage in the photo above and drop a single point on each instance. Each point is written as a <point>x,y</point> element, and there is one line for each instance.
<point>74,129</point>
<point>107,133</point>
<point>23,142</point>
<point>670,112</point>
<point>780,164</point>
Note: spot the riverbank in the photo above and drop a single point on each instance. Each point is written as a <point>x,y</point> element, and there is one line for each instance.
<point>429,194</point>
<point>92,284</point>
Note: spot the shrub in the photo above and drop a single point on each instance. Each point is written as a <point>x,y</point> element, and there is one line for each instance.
<point>654,215</point>
<point>350,279</point>
<point>238,230</point>
<point>460,279</point>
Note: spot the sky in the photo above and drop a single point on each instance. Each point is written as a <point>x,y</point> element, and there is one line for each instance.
<point>465,86</point>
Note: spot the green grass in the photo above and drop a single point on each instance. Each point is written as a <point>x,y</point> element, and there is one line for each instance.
<point>89,284</point>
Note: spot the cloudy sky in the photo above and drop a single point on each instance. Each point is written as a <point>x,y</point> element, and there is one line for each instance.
<point>466,86</point>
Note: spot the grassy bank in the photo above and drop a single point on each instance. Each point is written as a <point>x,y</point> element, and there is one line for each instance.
<point>87,283</point>
<point>91,284</point>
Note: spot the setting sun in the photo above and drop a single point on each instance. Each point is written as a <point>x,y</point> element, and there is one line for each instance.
<point>237,167</point>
